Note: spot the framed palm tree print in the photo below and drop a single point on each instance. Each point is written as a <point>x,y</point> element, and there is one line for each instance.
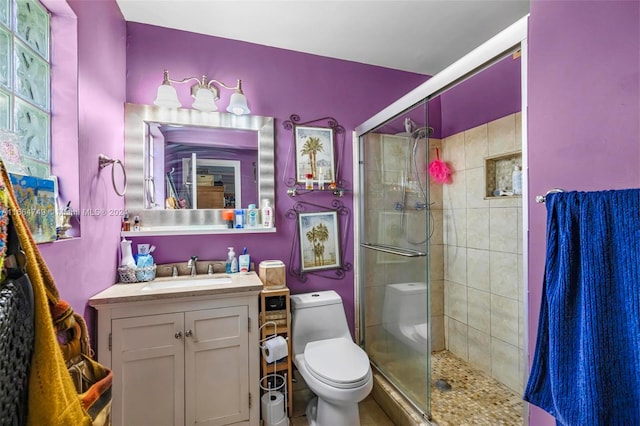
<point>314,154</point>
<point>319,241</point>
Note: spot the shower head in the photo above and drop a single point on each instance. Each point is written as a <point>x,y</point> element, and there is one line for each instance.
<point>422,132</point>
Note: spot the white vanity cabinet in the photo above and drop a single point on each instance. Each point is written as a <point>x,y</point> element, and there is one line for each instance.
<point>182,360</point>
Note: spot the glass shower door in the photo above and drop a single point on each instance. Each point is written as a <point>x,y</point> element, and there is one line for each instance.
<point>394,230</point>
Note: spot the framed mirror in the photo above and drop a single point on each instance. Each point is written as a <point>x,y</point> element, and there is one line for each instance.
<point>185,167</point>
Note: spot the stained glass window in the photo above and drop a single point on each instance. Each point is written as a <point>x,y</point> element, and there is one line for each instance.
<point>25,94</point>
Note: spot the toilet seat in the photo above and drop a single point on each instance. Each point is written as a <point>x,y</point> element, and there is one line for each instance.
<point>337,362</point>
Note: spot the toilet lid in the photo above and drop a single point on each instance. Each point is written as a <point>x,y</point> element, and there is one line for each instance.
<point>337,362</point>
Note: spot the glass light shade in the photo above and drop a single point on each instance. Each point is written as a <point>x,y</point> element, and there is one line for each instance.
<point>205,100</point>
<point>238,104</point>
<point>167,97</point>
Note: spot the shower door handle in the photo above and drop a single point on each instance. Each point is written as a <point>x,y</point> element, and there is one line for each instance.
<point>394,250</point>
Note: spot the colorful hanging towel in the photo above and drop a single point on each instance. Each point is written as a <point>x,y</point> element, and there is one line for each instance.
<point>586,366</point>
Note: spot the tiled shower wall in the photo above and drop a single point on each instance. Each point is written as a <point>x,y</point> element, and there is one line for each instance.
<point>476,262</point>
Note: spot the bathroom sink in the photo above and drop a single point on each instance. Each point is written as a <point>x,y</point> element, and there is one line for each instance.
<point>187,282</point>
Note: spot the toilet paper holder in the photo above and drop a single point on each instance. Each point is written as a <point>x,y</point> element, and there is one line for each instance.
<point>274,383</point>
<point>271,336</point>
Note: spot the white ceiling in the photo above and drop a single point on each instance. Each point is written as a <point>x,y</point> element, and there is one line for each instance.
<point>423,36</point>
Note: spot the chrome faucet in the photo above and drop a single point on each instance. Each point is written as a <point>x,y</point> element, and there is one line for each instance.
<point>192,264</point>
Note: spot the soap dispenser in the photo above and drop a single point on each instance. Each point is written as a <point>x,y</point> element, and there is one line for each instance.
<point>125,251</point>
<point>231,258</point>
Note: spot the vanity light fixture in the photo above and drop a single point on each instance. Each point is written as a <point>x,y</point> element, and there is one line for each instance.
<point>205,92</point>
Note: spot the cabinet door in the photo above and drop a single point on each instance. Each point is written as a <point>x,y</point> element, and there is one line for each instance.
<point>217,366</point>
<point>148,367</point>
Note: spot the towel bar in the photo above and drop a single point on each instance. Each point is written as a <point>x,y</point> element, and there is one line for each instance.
<point>542,198</point>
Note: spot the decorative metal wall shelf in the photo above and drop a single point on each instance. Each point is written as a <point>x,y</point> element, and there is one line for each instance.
<point>319,243</point>
<point>315,153</point>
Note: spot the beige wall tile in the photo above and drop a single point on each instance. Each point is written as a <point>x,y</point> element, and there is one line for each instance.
<point>521,228</point>
<point>478,269</point>
<point>505,202</point>
<point>503,230</point>
<point>455,227</point>
<point>436,223</point>
<point>479,353</point>
<point>374,297</point>
<point>502,135</point>
<point>479,310</point>
<point>505,364</point>
<point>504,274</point>
<point>453,151</point>
<point>478,228</point>
<point>504,319</point>
<point>476,188</point>
<point>455,301</point>
<point>455,193</point>
<point>437,297</point>
<point>457,339</point>
<point>455,264</point>
<point>476,146</point>
<point>435,195</point>
<point>436,263</point>
<point>437,333</point>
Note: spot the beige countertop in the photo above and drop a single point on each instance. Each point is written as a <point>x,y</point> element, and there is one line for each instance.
<point>185,286</point>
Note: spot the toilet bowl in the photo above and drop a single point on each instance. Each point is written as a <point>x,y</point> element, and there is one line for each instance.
<point>334,368</point>
<point>404,314</point>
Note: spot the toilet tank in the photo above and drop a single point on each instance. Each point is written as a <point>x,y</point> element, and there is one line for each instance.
<point>404,304</point>
<point>317,316</point>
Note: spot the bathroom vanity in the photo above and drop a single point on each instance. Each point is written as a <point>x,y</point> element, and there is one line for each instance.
<point>183,351</point>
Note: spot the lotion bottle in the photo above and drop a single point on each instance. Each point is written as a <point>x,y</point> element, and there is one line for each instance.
<point>244,261</point>
<point>516,179</point>
<point>267,214</point>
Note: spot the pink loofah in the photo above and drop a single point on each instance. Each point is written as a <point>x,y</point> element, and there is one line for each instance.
<point>439,170</point>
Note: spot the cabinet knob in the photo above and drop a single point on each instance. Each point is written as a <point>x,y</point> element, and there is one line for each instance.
<point>178,335</point>
<point>188,333</point>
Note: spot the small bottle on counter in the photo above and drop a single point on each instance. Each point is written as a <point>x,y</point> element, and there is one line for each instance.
<point>126,225</point>
<point>267,214</point>
<point>136,223</point>
<point>239,218</point>
<point>320,179</point>
<point>309,182</point>
<point>252,216</point>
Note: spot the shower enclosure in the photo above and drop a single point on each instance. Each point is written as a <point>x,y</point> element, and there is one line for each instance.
<point>395,227</point>
<point>419,283</point>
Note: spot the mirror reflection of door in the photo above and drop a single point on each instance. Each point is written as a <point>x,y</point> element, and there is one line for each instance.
<point>217,182</point>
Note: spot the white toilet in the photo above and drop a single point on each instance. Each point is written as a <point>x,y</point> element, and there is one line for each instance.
<point>404,314</point>
<point>335,369</point>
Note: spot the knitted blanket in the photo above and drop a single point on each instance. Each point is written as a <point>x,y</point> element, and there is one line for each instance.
<point>586,366</point>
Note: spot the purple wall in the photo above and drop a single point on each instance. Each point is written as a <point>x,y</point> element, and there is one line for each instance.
<point>277,83</point>
<point>583,114</point>
<point>83,266</point>
<point>493,93</point>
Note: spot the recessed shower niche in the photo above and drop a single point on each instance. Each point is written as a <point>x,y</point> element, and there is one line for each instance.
<point>498,174</point>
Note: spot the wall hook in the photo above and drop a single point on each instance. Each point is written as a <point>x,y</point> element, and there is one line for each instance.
<point>104,161</point>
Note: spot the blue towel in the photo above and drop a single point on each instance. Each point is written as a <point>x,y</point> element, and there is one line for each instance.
<point>586,366</point>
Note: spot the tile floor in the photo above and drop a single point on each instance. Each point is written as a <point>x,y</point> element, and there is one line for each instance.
<point>475,398</point>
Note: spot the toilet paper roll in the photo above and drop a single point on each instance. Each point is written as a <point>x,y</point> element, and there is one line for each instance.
<point>272,404</point>
<point>275,349</point>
